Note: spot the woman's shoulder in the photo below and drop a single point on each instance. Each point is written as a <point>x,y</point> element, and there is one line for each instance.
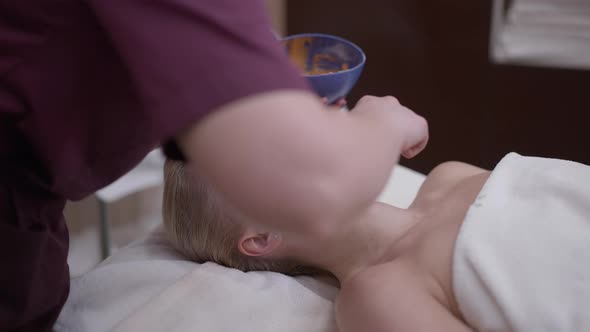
<point>444,178</point>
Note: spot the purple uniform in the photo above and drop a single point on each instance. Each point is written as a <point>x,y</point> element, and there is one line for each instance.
<point>87,88</point>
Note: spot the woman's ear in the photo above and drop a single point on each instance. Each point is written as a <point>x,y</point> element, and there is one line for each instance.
<point>253,243</point>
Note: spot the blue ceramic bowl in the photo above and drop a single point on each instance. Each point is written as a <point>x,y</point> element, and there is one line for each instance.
<point>332,65</point>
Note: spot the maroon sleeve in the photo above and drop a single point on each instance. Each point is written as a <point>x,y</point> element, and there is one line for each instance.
<point>189,57</point>
<point>87,89</point>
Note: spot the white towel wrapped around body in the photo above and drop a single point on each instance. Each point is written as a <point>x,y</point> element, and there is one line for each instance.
<point>522,257</point>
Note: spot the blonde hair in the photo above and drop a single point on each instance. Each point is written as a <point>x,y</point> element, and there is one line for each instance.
<point>198,226</point>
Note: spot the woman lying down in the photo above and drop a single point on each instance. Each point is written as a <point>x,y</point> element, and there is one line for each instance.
<point>507,250</point>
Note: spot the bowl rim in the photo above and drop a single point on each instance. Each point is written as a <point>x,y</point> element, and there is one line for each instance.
<point>325,35</point>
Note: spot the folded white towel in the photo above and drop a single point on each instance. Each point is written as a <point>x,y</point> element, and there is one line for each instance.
<point>554,33</point>
<point>521,257</point>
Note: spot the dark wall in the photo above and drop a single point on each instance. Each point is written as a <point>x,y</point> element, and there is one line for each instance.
<point>433,56</point>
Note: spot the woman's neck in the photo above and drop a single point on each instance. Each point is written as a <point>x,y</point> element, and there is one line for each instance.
<point>368,241</point>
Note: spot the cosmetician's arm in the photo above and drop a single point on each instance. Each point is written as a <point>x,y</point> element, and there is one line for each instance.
<point>284,157</point>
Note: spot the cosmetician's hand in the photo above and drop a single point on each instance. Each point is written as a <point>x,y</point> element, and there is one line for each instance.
<point>337,105</point>
<point>413,128</point>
